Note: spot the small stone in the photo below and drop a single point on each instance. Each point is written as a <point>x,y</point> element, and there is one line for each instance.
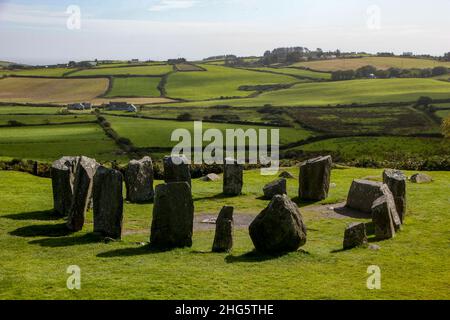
<point>223,240</point>
<point>279,228</point>
<point>421,178</point>
<point>355,235</point>
<point>333,185</point>
<point>233,178</point>
<point>374,247</point>
<point>211,177</point>
<point>315,179</point>
<point>277,187</point>
<point>210,221</point>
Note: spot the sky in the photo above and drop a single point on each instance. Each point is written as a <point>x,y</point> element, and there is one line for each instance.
<point>46,31</point>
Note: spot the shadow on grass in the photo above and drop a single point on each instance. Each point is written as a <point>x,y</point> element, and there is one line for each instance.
<point>215,197</point>
<point>48,230</point>
<point>48,215</point>
<point>68,241</point>
<point>303,203</point>
<point>129,252</point>
<point>351,213</point>
<point>254,256</point>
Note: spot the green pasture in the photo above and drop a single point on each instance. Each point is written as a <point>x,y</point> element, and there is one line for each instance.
<point>45,119</point>
<point>41,72</point>
<point>134,87</point>
<point>218,82</point>
<point>151,70</point>
<point>297,72</point>
<point>28,110</point>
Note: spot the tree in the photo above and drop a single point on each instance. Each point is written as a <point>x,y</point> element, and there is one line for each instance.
<point>424,101</point>
<point>438,71</point>
<point>365,72</point>
<point>446,127</point>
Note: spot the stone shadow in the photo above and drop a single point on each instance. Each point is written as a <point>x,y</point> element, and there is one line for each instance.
<point>351,213</point>
<point>129,252</point>
<point>48,230</point>
<point>48,215</point>
<point>254,256</point>
<point>303,203</point>
<point>215,197</point>
<point>68,241</point>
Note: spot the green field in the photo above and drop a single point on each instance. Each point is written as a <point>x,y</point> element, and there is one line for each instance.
<point>298,72</point>
<point>413,265</point>
<point>342,92</point>
<point>443,113</point>
<point>155,70</point>
<point>157,133</point>
<point>218,82</point>
<point>48,143</point>
<point>28,110</point>
<point>134,87</point>
<point>46,119</point>
<point>378,62</point>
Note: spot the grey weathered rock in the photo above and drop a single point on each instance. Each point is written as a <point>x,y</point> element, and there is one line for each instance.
<point>315,178</point>
<point>362,195</point>
<point>355,235</point>
<point>396,181</point>
<point>211,177</point>
<point>177,169</point>
<point>277,187</point>
<point>279,228</point>
<point>173,216</point>
<point>421,178</point>
<point>286,175</point>
<point>82,192</point>
<point>392,207</point>
<point>108,202</point>
<point>233,178</point>
<point>223,240</point>
<point>374,247</point>
<point>63,175</point>
<point>139,180</point>
<point>382,219</point>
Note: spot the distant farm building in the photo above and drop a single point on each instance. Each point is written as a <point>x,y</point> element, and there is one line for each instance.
<point>80,106</point>
<point>121,106</point>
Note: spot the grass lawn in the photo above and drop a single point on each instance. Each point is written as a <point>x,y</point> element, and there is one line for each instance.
<point>34,90</point>
<point>378,62</point>
<point>218,82</point>
<point>381,148</point>
<point>343,92</point>
<point>414,265</point>
<point>153,70</point>
<point>134,87</point>
<point>157,133</point>
<point>48,143</point>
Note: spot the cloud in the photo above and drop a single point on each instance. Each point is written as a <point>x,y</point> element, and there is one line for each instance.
<point>166,5</point>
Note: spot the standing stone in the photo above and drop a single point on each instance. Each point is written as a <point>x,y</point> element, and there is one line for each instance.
<point>362,195</point>
<point>82,192</point>
<point>277,187</point>
<point>382,219</point>
<point>223,240</point>
<point>176,169</point>
<point>279,228</point>
<point>392,207</point>
<point>173,216</point>
<point>63,175</point>
<point>421,178</point>
<point>139,180</point>
<point>315,178</point>
<point>355,235</point>
<point>396,181</point>
<point>233,178</point>
<point>108,202</point>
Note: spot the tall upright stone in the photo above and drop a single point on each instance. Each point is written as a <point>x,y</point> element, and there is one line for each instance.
<point>382,219</point>
<point>173,216</point>
<point>277,187</point>
<point>279,228</point>
<point>315,175</point>
<point>177,169</point>
<point>139,180</point>
<point>392,207</point>
<point>362,195</point>
<point>396,181</point>
<point>233,178</point>
<point>82,192</point>
<point>223,240</point>
<point>63,176</point>
<point>108,202</point>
